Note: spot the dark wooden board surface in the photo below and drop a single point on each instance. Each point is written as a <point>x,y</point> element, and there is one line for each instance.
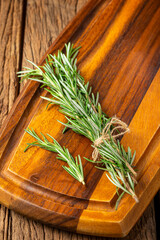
<point>28,28</point>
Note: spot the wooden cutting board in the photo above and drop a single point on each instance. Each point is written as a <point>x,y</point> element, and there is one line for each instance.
<point>120,58</point>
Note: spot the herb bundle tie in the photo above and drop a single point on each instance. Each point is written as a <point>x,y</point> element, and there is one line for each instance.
<point>107,134</point>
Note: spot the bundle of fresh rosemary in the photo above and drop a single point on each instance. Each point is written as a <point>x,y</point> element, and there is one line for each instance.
<point>85,116</point>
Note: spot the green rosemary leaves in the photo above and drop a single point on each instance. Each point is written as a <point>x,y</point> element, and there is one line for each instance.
<point>60,77</point>
<point>74,168</point>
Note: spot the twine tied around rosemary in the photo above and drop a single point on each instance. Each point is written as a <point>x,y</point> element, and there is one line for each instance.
<point>107,134</point>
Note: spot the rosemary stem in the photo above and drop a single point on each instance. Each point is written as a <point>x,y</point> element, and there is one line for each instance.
<point>130,168</point>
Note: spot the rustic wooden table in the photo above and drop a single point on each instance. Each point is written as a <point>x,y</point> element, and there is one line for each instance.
<point>27,29</point>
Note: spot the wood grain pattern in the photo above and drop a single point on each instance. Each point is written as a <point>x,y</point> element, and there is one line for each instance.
<point>10,35</point>
<point>11,15</point>
<point>89,28</point>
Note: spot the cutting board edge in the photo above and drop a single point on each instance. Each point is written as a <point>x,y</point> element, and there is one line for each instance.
<point>124,222</point>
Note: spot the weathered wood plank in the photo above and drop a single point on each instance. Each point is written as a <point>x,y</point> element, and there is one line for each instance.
<point>10,42</point>
<point>11,20</point>
<point>44,21</point>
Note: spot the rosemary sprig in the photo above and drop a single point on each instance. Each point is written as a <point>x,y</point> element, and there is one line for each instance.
<point>74,168</point>
<point>84,113</point>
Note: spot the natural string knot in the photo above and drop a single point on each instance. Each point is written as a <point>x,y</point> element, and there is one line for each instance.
<point>107,134</point>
